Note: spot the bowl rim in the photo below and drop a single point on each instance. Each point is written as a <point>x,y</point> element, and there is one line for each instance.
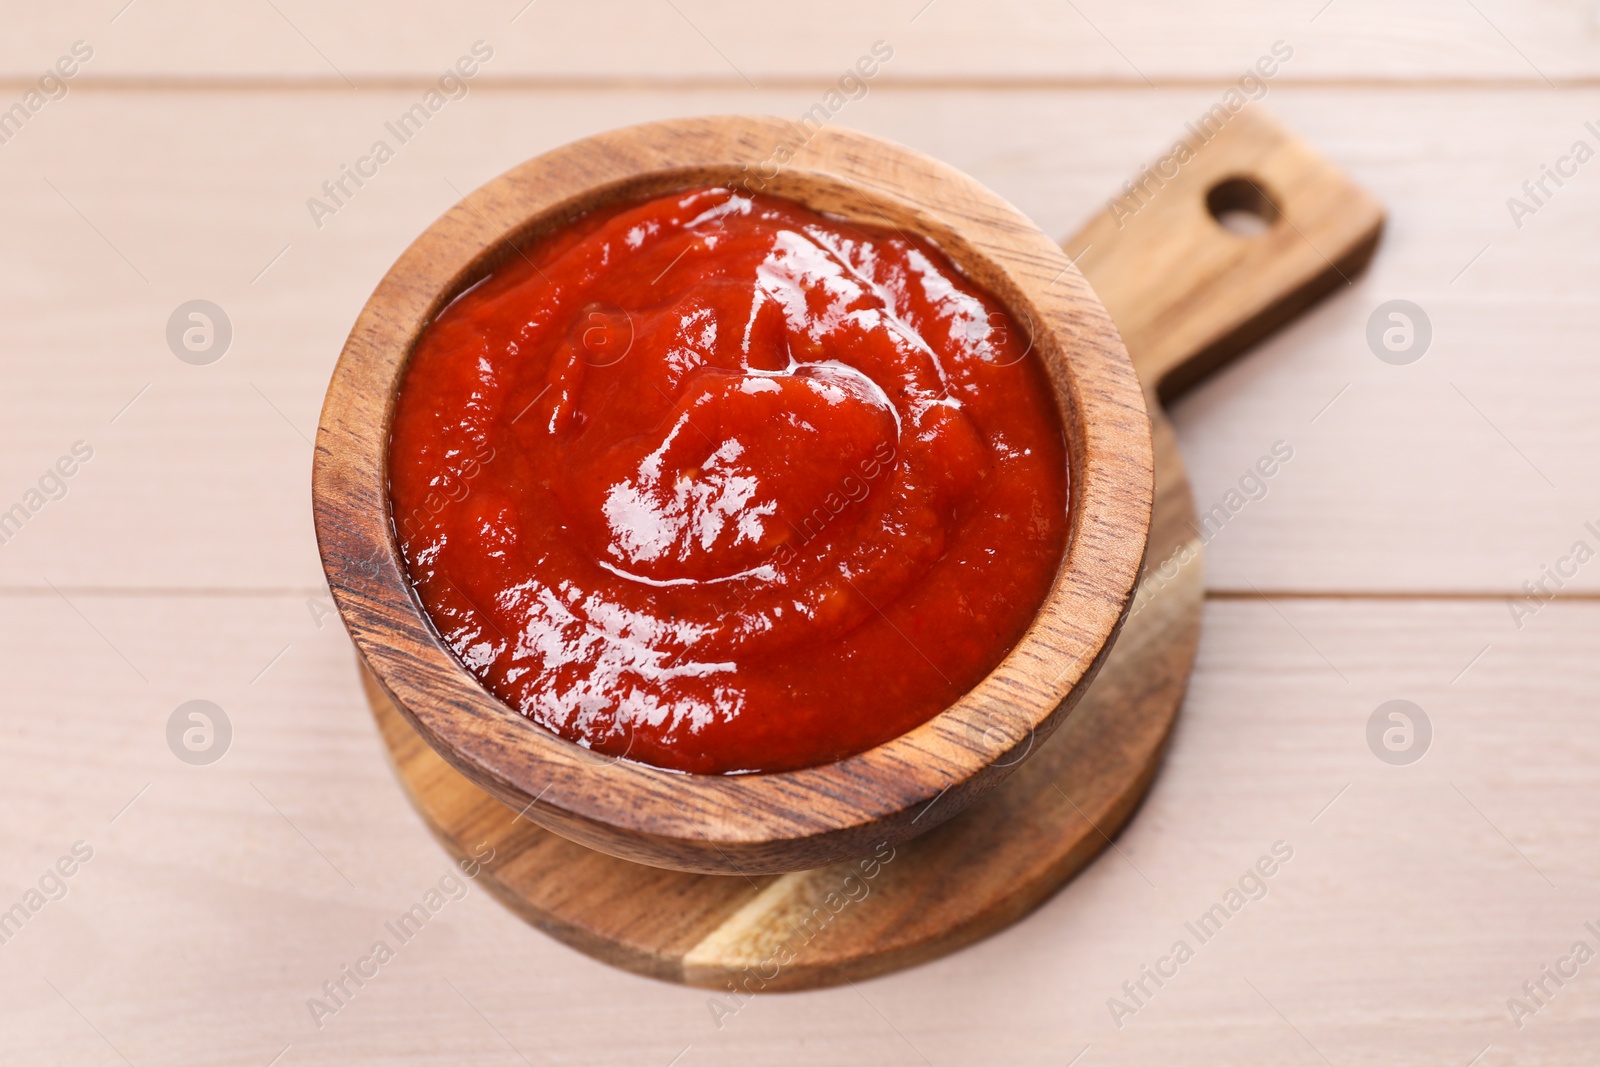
<point>786,820</point>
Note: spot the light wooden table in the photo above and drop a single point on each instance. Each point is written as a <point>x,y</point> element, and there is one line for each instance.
<point>180,563</point>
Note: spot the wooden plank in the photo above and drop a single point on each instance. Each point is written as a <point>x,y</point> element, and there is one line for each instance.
<point>718,40</point>
<point>202,481</point>
<point>1395,934</point>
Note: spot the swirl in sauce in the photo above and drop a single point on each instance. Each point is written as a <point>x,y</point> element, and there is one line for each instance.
<point>722,485</point>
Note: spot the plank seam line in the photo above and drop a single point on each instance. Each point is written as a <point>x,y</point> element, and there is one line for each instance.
<point>15,83</point>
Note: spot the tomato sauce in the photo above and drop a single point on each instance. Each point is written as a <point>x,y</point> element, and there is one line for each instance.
<point>719,484</point>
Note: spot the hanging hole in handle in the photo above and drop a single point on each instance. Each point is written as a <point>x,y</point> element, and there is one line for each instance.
<point>1241,207</point>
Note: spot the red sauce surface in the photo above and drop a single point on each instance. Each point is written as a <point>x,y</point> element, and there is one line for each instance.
<point>722,485</point>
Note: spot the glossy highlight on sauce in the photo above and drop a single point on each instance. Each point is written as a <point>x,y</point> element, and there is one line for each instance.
<point>719,484</point>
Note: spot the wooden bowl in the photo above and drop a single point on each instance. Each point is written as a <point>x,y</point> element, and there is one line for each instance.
<point>762,823</point>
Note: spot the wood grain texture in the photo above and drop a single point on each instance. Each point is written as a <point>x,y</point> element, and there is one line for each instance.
<point>1220,292</point>
<point>1195,294</point>
<point>722,41</point>
<point>762,823</point>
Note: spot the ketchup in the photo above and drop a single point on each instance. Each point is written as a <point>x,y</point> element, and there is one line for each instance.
<point>719,484</point>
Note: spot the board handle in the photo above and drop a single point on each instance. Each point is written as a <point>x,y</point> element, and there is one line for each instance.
<point>1189,291</point>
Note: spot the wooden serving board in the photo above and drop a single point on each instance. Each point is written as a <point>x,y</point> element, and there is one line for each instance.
<point>1187,294</point>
